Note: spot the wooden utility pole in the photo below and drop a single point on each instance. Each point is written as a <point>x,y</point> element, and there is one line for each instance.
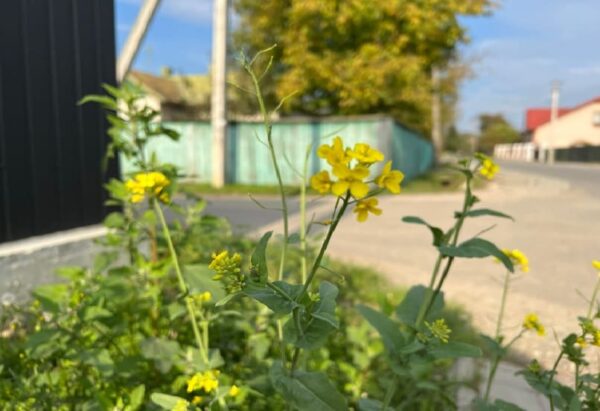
<point>218,87</point>
<point>135,38</point>
<point>436,113</point>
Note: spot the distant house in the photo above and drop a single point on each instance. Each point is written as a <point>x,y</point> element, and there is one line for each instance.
<point>176,97</point>
<point>576,126</point>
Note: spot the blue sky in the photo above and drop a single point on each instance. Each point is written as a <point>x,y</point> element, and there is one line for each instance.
<point>516,53</point>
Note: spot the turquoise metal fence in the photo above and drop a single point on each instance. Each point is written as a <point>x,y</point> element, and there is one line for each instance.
<point>248,161</point>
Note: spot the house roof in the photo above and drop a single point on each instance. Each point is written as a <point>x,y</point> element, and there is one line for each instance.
<point>176,89</point>
<point>535,117</point>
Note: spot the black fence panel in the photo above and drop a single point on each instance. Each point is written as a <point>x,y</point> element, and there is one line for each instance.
<point>586,154</point>
<point>52,53</point>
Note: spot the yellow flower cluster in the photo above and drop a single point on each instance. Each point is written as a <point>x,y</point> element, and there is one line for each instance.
<point>439,329</point>
<point>153,183</point>
<point>207,381</point>
<point>596,265</point>
<point>204,297</point>
<point>532,322</point>
<point>223,264</point>
<point>518,259</point>
<point>351,168</point>
<point>488,168</point>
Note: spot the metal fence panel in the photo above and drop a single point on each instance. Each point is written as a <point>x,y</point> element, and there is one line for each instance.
<point>52,53</point>
<point>248,159</point>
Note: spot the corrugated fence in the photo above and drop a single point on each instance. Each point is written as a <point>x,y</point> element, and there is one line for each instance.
<point>248,160</point>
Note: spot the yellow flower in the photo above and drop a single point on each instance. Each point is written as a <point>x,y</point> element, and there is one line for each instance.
<point>152,183</point>
<point>223,264</point>
<point>439,329</point>
<point>390,179</point>
<point>581,342</point>
<point>335,153</point>
<point>196,400</point>
<point>596,265</point>
<point>206,381</point>
<point>532,322</point>
<point>350,179</point>
<point>203,297</point>
<point>180,405</point>
<point>518,259</point>
<point>234,390</point>
<point>488,168</point>
<point>321,182</point>
<point>596,340</point>
<point>364,207</point>
<point>365,154</point>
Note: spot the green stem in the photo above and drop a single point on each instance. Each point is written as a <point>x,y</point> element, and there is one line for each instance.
<point>593,300</point>
<point>457,227</point>
<point>303,245</point>
<point>491,376</point>
<point>551,380</point>
<point>324,246</point>
<point>429,291</point>
<point>268,131</point>
<point>502,304</point>
<point>182,286</point>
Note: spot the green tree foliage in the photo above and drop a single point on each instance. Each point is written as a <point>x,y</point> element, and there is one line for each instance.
<point>495,129</point>
<point>355,56</point>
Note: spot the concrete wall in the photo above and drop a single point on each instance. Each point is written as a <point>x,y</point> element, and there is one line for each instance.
<point>574,128</point>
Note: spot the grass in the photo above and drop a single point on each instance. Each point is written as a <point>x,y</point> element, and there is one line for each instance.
<point>440,180</point>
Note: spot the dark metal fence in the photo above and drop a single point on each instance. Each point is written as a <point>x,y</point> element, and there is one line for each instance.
<point>587,154</point>
<point>52,53</point>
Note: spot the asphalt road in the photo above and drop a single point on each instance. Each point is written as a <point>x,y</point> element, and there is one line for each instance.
<point>578,175</point>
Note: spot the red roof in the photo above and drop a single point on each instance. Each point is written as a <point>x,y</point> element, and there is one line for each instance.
<point>535,117</point>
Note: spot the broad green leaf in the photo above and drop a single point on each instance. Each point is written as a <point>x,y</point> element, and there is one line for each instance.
<point>278,303</point>
<point>438,233</point>
<point>136,397</point>
<point>486,212</point>
<point>477,248</point>
<point>493,346</point>
<point>44,343</point>
<point>408,310</point>
<point>94,312</point>
<point>71,273</point>
<point>163,352</point>
<point>198,278</point>
<point>99,358</point>
<point>166,401</point>
<point>260,270</point>
<point>318,324</point>
<point>307,391</point>
<point>52,296</point>
<point>114,220</point>
<point>104,260</point>
<point>393,340</point>
<point>498,405</point>
<point>455,349</point>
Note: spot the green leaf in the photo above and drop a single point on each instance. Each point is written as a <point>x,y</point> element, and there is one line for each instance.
<point>455,349</point>
<point>318,324</point>
<point>408,310</point>
<point>105,101</point>
<point>493,346</point>
<point>498,405</point>
<point>198,278</point>
<point>163,352</point>
<point>99,358</point>
<point>44,343</point>
<point>486,212</point>
<point>94,312</point>
<point>114,220</point>
<point>477,248</point>
<point>52,296</point>
<point>72,273</point>
<point>166,401</point>
<point>438,233</point>
<point>390,333</point>
<point>136,397</point>
<point>273,299</point>
<point>260,270</point>
<point>307,391</point>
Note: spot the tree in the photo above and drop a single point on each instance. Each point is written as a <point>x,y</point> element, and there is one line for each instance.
<point>495,129</point>
<point>356,56</point>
